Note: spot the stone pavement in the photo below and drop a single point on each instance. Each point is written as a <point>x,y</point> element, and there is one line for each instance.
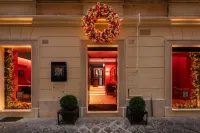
<point>103,125</point>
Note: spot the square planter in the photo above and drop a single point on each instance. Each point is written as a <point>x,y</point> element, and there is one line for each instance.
<point>67,117</point>
<point>136,117</point>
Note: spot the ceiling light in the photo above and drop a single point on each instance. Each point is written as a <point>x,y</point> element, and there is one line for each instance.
<point>101,60</point>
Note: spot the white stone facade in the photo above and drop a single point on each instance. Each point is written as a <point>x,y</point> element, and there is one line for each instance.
<point>65,45</point>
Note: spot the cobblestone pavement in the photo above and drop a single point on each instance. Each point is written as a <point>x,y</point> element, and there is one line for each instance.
<point>103,125</point>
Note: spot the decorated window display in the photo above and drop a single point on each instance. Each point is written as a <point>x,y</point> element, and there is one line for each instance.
<point>17,78</point>
<point>101,11</point>
<point>185,78</point>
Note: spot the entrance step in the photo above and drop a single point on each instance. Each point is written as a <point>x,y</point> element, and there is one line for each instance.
<point>102,107</point>
<point>97,91</point>
<point>97,88</point>
<point>103,114</point>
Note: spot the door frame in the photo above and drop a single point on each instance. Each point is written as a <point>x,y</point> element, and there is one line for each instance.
<point>87,73</point>
<point>121,70</point>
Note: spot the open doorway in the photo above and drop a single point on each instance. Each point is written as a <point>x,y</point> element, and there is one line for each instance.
<point>102,78</point>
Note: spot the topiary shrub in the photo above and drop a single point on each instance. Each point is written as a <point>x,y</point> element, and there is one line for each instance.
<point>137,104</point>
<point>68,102</point>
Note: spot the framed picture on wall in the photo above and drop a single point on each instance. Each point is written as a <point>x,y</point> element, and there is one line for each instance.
<point>58,71</point>
<point>20,73</point>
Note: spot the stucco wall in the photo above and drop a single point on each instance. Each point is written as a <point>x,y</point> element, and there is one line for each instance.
<point>148,78</point>
<point>17,8</point>
<point>64,45</point>
<point>29,7</point>
<point>65,49</point>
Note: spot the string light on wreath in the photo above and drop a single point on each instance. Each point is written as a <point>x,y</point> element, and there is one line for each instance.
<point>101,11</point>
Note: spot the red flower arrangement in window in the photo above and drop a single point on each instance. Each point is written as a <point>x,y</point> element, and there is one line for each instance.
<point>92,15</point>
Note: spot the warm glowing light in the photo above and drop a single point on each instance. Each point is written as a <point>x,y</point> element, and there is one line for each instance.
<point>15,22</point>
<point>183,45</point>
<point>97,94</point>
<point>100,45</point>
<point>101,60</point>
<point>183,19</point>
<point>107,71</point>
<point>106,35</point>
<point>101,23</point>
<point>24,60</point>
<point>185,23</point>
<point>11,46</point>
<point>16,19</point>
<point>102,20</point>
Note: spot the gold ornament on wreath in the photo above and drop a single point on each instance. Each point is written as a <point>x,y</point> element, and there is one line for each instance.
<point>93,14</point>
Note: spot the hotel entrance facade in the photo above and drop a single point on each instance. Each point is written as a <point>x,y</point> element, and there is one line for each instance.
<point>155,56</point>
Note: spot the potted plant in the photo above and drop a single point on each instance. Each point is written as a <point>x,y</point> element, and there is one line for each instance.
<point>136,110</point>
<point>70,110</point>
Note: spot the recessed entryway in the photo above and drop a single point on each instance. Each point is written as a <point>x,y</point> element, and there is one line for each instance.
<point>102,78</point>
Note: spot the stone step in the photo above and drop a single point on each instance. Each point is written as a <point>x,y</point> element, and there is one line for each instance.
<point>106,114</point>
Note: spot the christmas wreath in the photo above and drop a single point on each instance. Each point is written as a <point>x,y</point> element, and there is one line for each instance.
<point>92,15</point>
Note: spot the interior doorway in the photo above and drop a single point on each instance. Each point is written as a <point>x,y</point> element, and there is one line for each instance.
<point>102,78</point>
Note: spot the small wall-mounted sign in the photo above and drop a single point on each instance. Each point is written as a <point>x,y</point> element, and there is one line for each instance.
<point>131,41</point>
<point>19,94</point>
<point>58,71</point>
<point>185,94</point>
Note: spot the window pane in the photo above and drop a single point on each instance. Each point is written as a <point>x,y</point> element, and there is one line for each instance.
<point>185,79</point>
<point>17,75</point>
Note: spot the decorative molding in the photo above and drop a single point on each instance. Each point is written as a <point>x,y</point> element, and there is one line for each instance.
<point>57,1</point>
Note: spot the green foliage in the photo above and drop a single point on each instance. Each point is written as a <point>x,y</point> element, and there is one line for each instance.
<point>137,104</point>
<point>68,102</point>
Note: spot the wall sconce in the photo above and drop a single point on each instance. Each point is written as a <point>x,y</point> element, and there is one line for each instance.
<point>107,71</point>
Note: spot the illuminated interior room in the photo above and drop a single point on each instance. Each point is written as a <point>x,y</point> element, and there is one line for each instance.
<point>17,66</point>
<point>185,77</point>
<point>102,78</point>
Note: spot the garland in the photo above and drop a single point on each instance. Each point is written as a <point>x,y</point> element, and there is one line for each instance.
<point>8,75</point>
<point>92,15</point>
<point>195,70</point>
<point>9,84</point>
